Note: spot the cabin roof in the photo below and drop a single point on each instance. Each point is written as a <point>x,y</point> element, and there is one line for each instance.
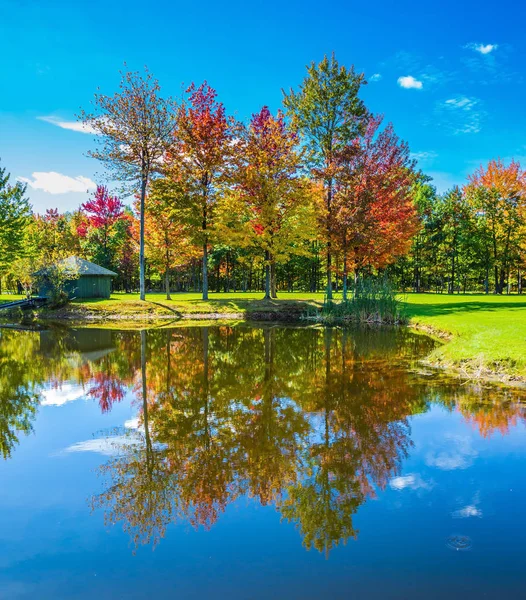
<point>85,267</point>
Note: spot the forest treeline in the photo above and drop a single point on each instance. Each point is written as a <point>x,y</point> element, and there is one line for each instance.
<point>308,198</point>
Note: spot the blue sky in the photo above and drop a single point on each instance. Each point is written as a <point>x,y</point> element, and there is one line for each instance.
<point>449,75</point>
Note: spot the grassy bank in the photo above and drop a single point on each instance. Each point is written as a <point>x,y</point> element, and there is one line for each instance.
<point>485,334</point>
<point>10,298</point>
<point>289,306</point>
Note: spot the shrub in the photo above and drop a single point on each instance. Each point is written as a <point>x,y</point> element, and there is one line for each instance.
<point>373,302</point>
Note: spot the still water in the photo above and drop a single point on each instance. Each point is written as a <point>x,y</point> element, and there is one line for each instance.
<point>253,462</point>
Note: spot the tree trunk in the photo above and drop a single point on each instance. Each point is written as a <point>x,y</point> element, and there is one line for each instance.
<point>273,291</point>
<point>502,281</point>
<point>167,284</point>
<point>329,235</point>
<point>205,271</point>
<point>149,447</point>
<point>344,272</point>
<point>452,274</point>
<point>205,243</point>
<point>142,286</point>
<point>267,275</point>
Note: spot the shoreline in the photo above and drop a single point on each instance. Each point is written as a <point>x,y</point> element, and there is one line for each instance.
<point>156,315</point>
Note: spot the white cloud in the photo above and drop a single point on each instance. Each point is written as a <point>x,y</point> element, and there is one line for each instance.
<point>375,77</point>
<point>134,425</point>
<point>468,511</point>
<point>71,125</point>
<point>462,114</point>
<point>409,82</point>
<point>482,48</point>
<point>462,102</point>
<point>458,455</point>
<point>411,481</point>
<point>110,446</point>
<point>60,396</point>
<point>422,156</point>
<point>57,183</point>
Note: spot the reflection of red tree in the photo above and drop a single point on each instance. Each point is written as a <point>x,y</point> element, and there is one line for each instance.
<point>107,390</point>
<point>496,417</point>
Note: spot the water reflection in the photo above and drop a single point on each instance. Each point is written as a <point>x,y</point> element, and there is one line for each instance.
<point>312,421</point>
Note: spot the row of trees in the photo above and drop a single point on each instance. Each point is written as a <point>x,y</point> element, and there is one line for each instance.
<point>470,238</point>
<point>322,174</point>
<point>297,199</point>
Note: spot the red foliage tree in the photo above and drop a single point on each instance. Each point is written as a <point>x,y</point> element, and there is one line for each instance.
<point>103,210</point>
<point>375,215</point>
<point>199,158</point>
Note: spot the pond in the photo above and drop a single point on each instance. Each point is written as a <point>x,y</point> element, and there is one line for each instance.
<point>253,462</point>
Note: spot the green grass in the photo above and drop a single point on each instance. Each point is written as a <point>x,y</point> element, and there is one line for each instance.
<point>487,332</point>
<point>191,304</point>
<point>10,297</point>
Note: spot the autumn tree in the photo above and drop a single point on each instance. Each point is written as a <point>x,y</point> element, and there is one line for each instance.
<point>126,248</point>
<point>269,178</point>
<point>167,242</point>
<point>101,214</point>
<point>497,194</point>
<point>199,158</point>
<point>134,126</point>
<point>374,215</point>
<point>328,112</point>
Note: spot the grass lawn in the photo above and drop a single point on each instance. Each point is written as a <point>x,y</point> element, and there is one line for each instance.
<point>10,297</point>
<point>487,331</point>
<point>190,303</point>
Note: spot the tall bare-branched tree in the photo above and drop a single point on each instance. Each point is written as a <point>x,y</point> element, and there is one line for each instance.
<point>134,128</point>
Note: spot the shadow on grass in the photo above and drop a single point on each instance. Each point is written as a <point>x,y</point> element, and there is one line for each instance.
<point>432,310</point>
<point>177,314</point>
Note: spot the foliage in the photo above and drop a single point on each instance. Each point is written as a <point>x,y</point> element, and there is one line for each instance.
<point>15,216</point>
<point>198,160</point>
<point>498,195</point>
<point>329,114</point>
<point>134,127</point>
<point>55,278</point>
<point>375,217</point>
<point>269,180</point>
<point>167,233</point>
<point>99,229</point>
<point>298,200</point>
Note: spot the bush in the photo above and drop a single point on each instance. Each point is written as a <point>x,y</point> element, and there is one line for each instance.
<point>373,302</point>
<point>55,278</point>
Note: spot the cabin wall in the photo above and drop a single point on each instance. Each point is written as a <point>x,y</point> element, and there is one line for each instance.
<point>91,286</point>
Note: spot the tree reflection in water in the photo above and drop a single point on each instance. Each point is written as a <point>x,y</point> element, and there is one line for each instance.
<point>312,421</point>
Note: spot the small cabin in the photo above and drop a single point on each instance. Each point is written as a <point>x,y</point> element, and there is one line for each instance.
<point>92,281</point>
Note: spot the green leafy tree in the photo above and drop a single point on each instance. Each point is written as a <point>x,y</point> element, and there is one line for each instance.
<point>15,214</point>
<point>329,114</point>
